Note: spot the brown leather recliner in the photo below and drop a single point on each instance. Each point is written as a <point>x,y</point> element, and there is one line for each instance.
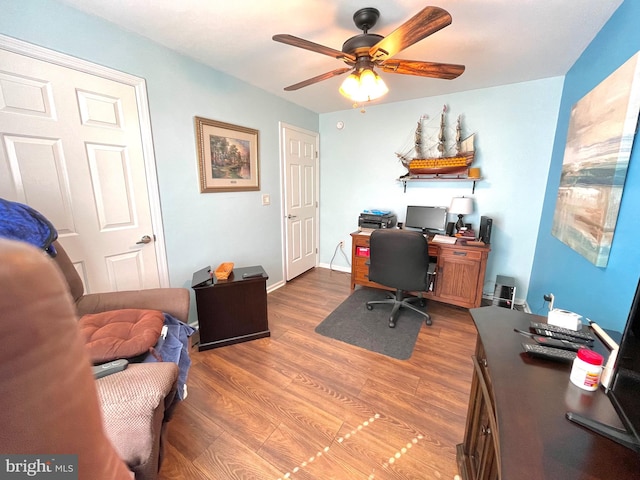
<point>49,403</point>
<point>136,402</point>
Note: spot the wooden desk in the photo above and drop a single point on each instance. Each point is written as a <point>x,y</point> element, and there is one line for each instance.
<point>459,277</point>
<point>233,310</point>
<point>516,425</point>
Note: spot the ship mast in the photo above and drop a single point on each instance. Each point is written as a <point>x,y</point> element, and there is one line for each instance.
<point>441,136</point>
<point>458,136</point>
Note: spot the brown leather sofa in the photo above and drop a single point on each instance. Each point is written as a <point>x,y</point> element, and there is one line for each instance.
<point>135,403</point>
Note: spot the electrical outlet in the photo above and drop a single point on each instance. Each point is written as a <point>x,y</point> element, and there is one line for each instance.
<point>341,244</point>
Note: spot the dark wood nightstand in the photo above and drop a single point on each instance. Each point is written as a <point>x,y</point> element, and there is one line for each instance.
<point>233,310</point>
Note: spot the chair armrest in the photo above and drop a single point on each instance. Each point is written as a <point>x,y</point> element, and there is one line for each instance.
<point>135,403</point>
<point>174,301</point>
<point>138,389</point>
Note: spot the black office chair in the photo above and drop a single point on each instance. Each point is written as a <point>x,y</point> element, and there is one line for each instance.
<point>400,259</point>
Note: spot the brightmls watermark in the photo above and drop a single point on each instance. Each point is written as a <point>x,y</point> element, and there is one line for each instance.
<point>50,467</point>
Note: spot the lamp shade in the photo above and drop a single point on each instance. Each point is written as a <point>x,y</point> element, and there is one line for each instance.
<point>363,85</point>
<point>461,205</point>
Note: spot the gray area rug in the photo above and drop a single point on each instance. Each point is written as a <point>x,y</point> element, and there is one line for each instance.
<point>352,323</point>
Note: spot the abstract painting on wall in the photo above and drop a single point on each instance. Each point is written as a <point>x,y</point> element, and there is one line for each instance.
<point>599,140</point>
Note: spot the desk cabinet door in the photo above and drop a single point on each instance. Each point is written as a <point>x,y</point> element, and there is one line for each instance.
<point>458,277</point>
<point>478,457</point>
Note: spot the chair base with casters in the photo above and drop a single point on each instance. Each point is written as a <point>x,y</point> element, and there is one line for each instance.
<point>398,301</point>
<point>399,260</point>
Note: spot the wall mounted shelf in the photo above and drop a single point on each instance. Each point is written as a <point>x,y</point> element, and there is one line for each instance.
<point>438,178</point>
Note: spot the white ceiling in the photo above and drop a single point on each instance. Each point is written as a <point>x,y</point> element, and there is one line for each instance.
<point>499,41</point>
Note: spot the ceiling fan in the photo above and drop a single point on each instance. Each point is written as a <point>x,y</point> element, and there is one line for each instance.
<point>366,50</point>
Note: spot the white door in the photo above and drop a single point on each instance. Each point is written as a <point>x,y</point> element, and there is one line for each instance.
<point>71,147</point>
<point>300,171</point>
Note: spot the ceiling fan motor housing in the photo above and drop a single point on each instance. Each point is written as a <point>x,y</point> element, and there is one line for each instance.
<point>360,44</point>
<point>366,18</point>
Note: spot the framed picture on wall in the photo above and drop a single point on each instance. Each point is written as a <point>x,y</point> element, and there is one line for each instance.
<point>602,128</point>
<point>227,157</point>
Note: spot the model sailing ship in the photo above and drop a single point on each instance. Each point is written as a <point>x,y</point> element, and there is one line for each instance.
<point>438,157</point>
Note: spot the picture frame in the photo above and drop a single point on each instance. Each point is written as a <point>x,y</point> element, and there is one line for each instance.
<point>601,132</point>
<point>227,157</point>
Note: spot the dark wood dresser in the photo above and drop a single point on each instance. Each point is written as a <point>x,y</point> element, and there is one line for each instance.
<point>516,425</point>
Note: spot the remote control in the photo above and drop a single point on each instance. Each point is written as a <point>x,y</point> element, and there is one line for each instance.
<point>552,342</point>
<point>561,336</point>
<point>549,353</point>
<point>108,368</point>
<point>557,343</point>
<point>251,274</point>
<point>558,332</point>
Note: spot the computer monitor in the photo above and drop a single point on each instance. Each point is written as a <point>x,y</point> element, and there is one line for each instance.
<point>427,219</point>
<point>625,387</point>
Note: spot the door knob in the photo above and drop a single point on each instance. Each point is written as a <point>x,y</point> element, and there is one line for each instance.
<point>144,239</point>
<point>291,216</point>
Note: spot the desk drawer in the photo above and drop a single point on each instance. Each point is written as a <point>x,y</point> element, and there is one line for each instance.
<point>362,241</point>
<point>461,253</point>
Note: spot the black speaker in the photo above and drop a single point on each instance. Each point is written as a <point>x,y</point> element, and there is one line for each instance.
<point>486,224</point>
<point>450,227</point>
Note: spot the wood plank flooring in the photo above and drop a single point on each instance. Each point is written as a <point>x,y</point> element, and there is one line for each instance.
<point>299,405</point>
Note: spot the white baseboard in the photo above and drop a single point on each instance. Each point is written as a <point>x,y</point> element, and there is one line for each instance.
<point>519,302</point>
<point>335,267</point>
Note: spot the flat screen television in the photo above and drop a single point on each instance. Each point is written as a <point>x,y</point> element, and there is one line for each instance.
<point>427,219</point>
<point>624,392</point>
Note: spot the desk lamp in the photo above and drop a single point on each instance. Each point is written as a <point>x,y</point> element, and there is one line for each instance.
<point>461,206</point>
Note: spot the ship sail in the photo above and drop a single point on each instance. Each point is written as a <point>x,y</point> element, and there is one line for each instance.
<point>437,155</point>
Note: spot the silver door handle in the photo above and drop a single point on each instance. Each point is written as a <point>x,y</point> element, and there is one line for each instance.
<point>291,216</point>
<point>144,239</point>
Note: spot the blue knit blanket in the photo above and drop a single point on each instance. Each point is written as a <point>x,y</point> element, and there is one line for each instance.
<point>21,222</point>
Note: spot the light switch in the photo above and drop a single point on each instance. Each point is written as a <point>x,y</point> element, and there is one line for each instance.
<point>266,199</point>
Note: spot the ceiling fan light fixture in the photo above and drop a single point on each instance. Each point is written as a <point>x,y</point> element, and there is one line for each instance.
<point>364,85</point>
<point>350,85</point>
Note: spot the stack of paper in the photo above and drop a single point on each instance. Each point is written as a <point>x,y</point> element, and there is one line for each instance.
<point>444,239</point>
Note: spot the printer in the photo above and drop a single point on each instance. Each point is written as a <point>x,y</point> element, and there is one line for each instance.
<point>377,219</point>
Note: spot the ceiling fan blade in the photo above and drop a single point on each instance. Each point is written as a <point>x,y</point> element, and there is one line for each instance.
<point>314,47</point>
<point>446,71</point>
<point>421,25</point>
<point>319,78</point>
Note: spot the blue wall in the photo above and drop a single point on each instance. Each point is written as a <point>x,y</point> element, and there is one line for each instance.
<point>602,294</point>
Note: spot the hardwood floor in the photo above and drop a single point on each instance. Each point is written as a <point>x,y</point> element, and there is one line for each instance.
<point>302,406</point>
